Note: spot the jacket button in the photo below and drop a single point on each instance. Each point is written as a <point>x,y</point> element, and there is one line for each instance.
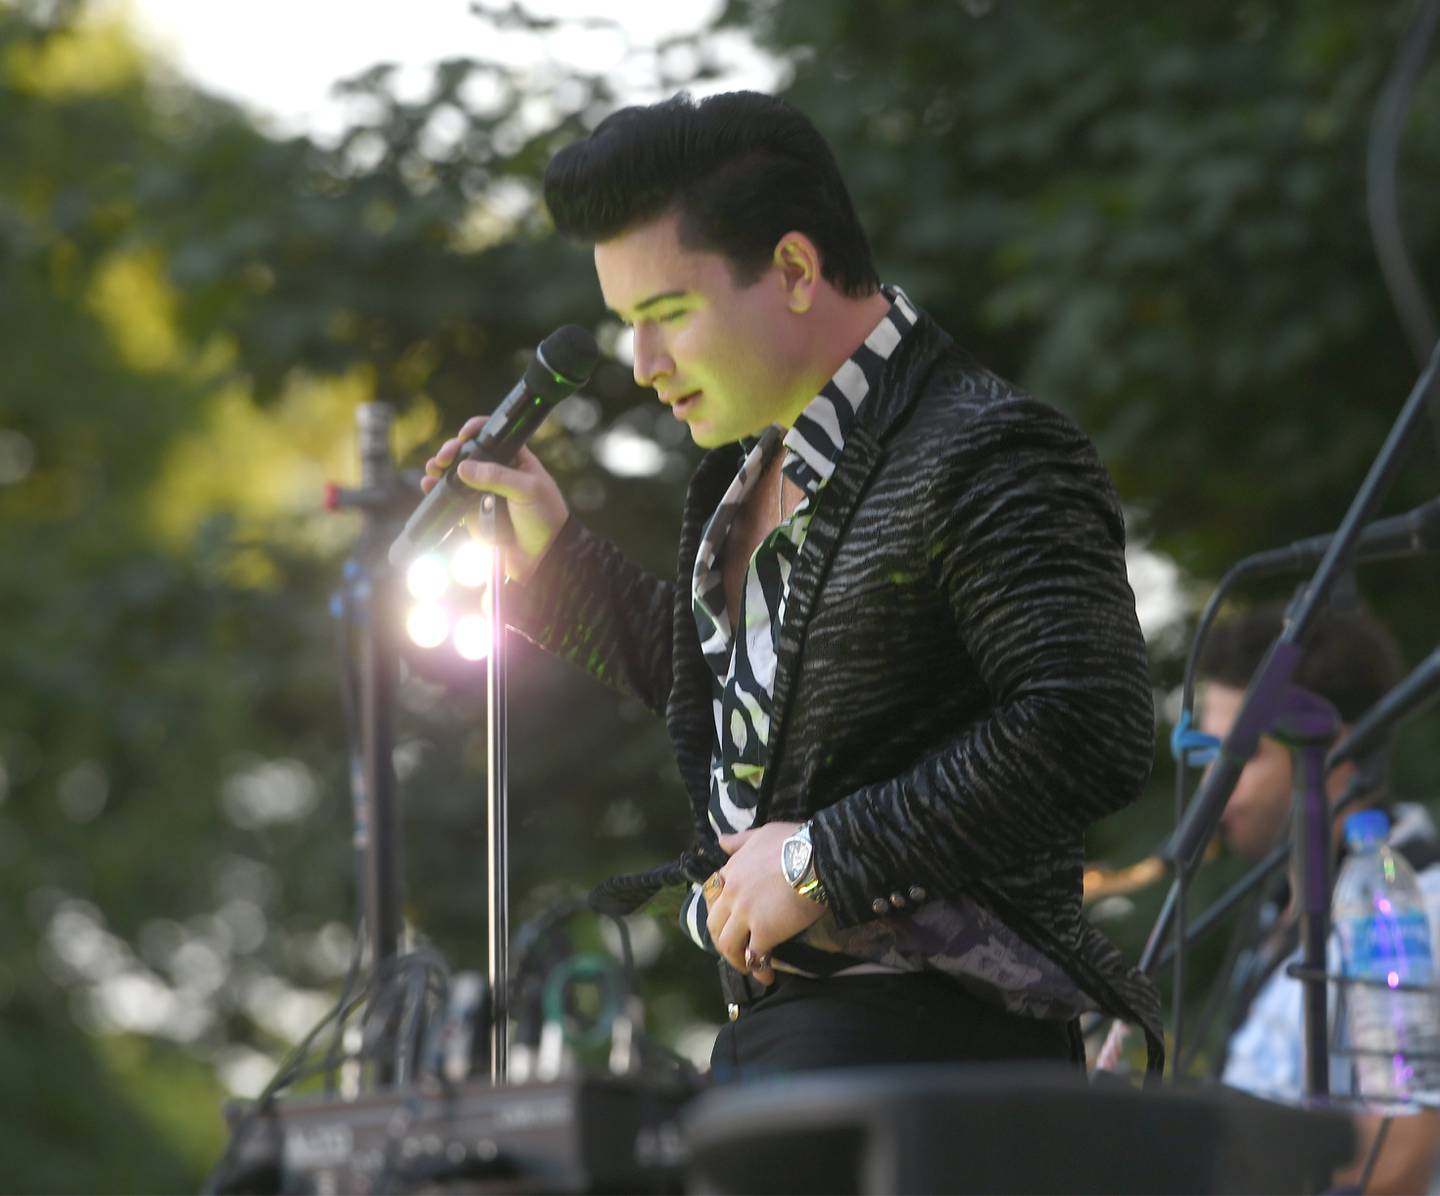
<point>917,894</point>
<point>880,905</point>
<point>897,899</point>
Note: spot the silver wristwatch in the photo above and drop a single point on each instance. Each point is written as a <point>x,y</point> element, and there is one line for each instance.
<point>797,862</point>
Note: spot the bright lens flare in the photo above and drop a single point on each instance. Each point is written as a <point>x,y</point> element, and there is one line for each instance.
<point>471,563</point>
<point>428,625</point>
<point>1393,980</point>
<point>427,578</point>
<point>472,637</point>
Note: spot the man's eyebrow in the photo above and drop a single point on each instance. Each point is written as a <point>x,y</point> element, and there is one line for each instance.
<point>650,302</point>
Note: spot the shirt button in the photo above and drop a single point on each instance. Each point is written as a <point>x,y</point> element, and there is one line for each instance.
<point>897,899</point>
<point>733,1011</point>
<point>880,905</point>
<point>917,894</point>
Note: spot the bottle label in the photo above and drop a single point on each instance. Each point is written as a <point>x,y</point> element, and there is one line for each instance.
<point>1376,946</point>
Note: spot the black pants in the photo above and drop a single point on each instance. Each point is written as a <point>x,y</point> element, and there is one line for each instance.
<point>878,1020</point>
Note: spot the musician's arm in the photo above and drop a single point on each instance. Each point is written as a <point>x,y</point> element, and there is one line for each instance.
<point>1407,1156</point>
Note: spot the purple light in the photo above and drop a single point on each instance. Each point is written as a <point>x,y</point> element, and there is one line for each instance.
<point>1383,905</point>
<point>1393,980</point>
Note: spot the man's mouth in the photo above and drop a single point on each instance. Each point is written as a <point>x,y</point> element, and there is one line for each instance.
<point>683,404</point>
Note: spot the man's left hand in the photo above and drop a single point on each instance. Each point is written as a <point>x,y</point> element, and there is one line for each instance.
<point>757,910</point>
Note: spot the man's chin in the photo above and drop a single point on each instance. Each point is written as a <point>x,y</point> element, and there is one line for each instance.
<point>707,438</point>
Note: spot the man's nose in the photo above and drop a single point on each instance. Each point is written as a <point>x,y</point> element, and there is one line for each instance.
<point>652,359</point>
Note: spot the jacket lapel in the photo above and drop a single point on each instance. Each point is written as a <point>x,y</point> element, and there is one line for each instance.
<point>897,390</point>
<point>835,505</point>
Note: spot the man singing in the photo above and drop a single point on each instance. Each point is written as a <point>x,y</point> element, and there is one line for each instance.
<point>900,663</point>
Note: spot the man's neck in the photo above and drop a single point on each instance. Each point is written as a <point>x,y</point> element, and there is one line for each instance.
<point>842,324</point>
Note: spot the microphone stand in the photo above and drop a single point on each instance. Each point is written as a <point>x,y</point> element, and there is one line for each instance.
<point>1367,744</point>
<point>1363,783</point>
<point>1266,696</point>
<point>1360,786</point>
<point>497,797</point>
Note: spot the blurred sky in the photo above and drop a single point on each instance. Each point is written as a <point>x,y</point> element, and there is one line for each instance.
<point>282,57</point>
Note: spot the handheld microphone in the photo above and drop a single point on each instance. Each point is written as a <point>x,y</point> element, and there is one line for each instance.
<point>561,365</point>
<point>1410,534</point>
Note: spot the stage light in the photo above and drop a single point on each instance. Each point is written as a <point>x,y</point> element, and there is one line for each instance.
<point>427,578</point>
<point>471,563</point>
<point>451,592</point>
<point>428,625</point>
<point>472,637</point>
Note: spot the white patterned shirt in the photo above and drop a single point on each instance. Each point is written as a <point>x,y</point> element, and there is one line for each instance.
<point>742,658</point>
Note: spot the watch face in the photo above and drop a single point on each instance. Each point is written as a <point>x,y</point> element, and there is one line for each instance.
<point>795,858</point>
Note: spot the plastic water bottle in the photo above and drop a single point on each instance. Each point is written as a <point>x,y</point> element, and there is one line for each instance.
<point>1379,912</point>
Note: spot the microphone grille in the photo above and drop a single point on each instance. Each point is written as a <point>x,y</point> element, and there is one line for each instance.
<point>569,353</point>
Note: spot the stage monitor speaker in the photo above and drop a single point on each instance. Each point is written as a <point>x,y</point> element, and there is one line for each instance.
<point>1001,1128</point>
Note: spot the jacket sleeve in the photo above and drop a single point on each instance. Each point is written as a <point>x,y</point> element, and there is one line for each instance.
<point>1026,544</point>
<point>597,609</point>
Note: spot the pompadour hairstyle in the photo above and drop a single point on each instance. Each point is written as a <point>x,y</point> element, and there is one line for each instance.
<point>742,169</point>
<point>1350,659</point>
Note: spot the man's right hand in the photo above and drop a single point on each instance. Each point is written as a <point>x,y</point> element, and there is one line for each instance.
<point>537,508</point>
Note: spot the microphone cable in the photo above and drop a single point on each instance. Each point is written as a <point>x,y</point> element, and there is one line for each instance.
<point>1417,317</point>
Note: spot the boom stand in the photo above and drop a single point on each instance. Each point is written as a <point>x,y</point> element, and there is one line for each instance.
<point>1267,688</point>
<point>497,798</point>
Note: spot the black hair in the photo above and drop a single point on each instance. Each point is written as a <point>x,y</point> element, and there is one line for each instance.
<point>1350,658</point>
<point>742,169</point>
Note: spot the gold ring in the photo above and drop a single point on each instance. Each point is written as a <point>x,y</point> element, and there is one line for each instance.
<point>714,883</point>
<point>753,961</point>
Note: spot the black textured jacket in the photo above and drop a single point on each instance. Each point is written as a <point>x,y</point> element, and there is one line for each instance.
<point>961,686</point>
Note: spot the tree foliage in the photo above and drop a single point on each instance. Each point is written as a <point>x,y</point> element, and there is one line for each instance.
<point>1153,219</point>
<point>1156,222</point>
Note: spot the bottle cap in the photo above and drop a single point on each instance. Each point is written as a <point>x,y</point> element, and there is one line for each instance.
<point>1366,825</point>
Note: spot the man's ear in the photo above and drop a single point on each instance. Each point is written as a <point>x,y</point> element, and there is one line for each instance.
<point>799,263</point>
